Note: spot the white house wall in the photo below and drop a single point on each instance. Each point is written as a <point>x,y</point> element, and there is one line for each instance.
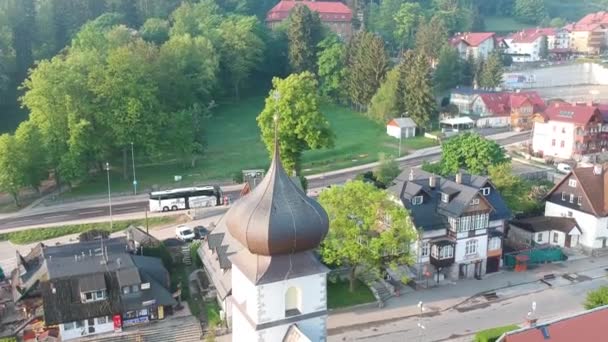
<point>482,249</point>
<point>314,328</point>
<point>545,133</point>
<point>78,332</point>
<point>594,229</point>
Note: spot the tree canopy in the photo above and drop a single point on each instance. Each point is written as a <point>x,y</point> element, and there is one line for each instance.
<point>471,152</point>
<point>366,230</point>
<point>294,103</point>
<point>597,298</point>
<point>304,33</point>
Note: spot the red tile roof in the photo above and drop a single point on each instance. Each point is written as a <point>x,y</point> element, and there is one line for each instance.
<point>567,112</point>
<point>500,104</point>
<point>588,326</point>
<point>328,11</point>
<point>594,18</point>
<point>528,35</point>
<point>576,27</point>
<point>472,38</point>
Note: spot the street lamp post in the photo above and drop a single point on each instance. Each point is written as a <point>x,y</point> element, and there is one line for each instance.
<point>134,179</point>
<point>109,194</point>
<point>421,326</point>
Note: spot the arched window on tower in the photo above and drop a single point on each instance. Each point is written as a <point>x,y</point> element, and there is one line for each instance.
<point>293,302</point>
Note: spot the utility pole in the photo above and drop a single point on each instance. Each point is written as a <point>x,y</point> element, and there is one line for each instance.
<point>109,195</point>
<point>421,327</point>
<point>134,179</point>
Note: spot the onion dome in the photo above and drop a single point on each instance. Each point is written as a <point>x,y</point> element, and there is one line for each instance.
<point>277,217</point>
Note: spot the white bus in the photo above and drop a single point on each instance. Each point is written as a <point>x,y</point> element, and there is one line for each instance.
<point>186,198</point>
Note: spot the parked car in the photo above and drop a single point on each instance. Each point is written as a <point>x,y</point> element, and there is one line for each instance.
<point>200,232</point>
<point>184,233</point>
<point>564,168</point>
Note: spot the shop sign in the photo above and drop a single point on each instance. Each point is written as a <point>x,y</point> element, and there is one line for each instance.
<point>137,320</point>
<point>117,323</point>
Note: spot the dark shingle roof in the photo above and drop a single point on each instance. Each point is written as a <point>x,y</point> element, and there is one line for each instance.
<point>546,223</point>
<point>92,282</point>
<point>128,276</point>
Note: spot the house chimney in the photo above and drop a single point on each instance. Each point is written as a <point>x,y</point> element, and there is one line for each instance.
<point>411,177</point>
<point>459,177</point>
<point>597,170</point>
<point>432,182</point>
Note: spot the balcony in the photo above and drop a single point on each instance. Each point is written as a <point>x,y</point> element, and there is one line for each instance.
<point>442,252</point>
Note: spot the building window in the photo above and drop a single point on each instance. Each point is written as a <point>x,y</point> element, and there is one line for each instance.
<point>102,320</point>
<point>417,200</point>
<point>539,237</point>
<point>100,295</point>
<point>424,249</point>
<point>475,201</point>
<point>447,252</point>
<point>470,247</point>
<point>88,296</point>
<point>293,302</point>
<point>563,129</point>
<point>552,142</point>
<point>69,326</point>
<point>555,237</point>
<point>445,198</point>
<point>562,144</point>
<point>571,198</point>
<point>485,191</point>
<point>572,183</point>
<point>130,314</point>
<point>579,200</point>
<point>126,289</point>
<point>134,288</point>
<point>563,196</point>
<point>494,244</point>
<point>569,213</point>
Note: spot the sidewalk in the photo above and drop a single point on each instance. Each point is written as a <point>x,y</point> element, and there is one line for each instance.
<point>445,297</point>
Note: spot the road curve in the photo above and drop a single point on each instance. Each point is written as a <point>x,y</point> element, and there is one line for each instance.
<point>134,207</point>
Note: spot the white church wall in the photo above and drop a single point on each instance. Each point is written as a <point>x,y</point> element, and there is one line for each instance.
<point>244,291</point>
<point>314,328</point>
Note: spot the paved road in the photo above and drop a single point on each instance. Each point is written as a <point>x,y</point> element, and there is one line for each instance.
<point>134,207</point>
<point>458,324</point>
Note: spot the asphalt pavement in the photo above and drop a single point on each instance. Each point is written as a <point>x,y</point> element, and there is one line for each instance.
<point>99,209</point>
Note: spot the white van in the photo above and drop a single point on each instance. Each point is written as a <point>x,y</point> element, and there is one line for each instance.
<point>564,168</point>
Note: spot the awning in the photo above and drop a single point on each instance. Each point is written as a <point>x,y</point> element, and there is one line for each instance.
<point>462,120</point>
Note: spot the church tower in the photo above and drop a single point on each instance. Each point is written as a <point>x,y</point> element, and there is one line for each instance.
<point>279,288</point>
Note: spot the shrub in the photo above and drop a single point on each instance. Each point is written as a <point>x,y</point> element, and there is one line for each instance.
<point>491,335</point>
<point>161,252</point>
<point>597,298</point>
<point>194,254</point>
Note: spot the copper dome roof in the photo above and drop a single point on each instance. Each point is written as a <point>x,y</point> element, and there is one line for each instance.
<point>277,217</point>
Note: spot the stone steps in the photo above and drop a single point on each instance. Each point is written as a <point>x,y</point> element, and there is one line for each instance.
<point>380,291</point>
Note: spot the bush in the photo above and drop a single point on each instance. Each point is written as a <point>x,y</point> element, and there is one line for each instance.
<point>597,298</point>
<point>237,177</point>
<point>194,254</point>
<point>491,335</point>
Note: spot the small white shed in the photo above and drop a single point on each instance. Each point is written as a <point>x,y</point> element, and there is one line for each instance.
<point>401,128</point>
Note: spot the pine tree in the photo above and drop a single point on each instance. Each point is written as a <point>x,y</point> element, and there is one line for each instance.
<point>367,64</point>
<point>467,71</point>
<point>492,72</point>
<point>304,33</point>
<point>23,26</point>
<point>447,73</point>
<point>420,101</point>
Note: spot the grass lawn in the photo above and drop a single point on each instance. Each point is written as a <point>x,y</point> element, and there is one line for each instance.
<point>339,296</point>
<point>491,335</point>
<point>503,24</point>
<point>233,144</point>
<point>26,236</point>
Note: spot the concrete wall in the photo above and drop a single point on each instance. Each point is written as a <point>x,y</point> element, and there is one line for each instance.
<point>563,75</point>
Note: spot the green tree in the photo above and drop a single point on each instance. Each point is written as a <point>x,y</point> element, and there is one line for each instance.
<point>365,225</point>
<point>407,19</point>
<point>491,72</point>
<point>241,48</point>
<point>23,19</point>
<point>467,71</point>
<point>32,154</point>
<point>543,51</point>
<point>420,103</point>
<point>521,196</point>
<point>430,38</point>
<point>530,11</point>
<point>597,298</point>
<point>11,177</point>
<point>448,72</point>
<point>331,67</point>
<point>200,18</point>
<point>155,30</point>
<point>301,126</point>
<point>381,20</point>
<point>387,170</point>
<point>471,152</point>
<point>367,64</point>
<point>304,34</point>
<point>557,22</point>
<point>386,102</point>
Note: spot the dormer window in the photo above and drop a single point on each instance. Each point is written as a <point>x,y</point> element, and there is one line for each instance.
<point>475,201</point>
<point>572,183</point>
<point>93,296</point>
<point>445,198</point>
<point>485,191</point>
<point>417,200</point>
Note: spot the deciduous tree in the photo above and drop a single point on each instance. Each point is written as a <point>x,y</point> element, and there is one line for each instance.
<point>366,229</point>
<point>32,154</point>
<point>530,11</point>
<point>387,170</point>
<point>11,177</point>
<point>301,126</point>
<point>407,19</point>
<point>331,67</point>
<point>155,30</point>
<point>430,38</point>
<point>471,152</point>
<point>386,103</point>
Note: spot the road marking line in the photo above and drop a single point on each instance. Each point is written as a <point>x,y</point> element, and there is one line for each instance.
<point>62,215</point>
<point>128,208</point>
<point>90,212</point>
<point>26,220</point>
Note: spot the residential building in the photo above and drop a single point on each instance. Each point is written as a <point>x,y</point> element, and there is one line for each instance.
<point>568,131</point>
<point>523,106</point>
<point>463,98</point>
<point>559,43</point>
<point>92,287</point>
<point>478,45</point>
<point>583,196</point>
<point>491,110</point>
<point>585,326</point>
<point>526,45</point>
<point>461,221</point>
<point>401,128</point>
<point>334,14</point>
<point>543,230</point>
<point>260,259</point>
<point>587,38</point>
